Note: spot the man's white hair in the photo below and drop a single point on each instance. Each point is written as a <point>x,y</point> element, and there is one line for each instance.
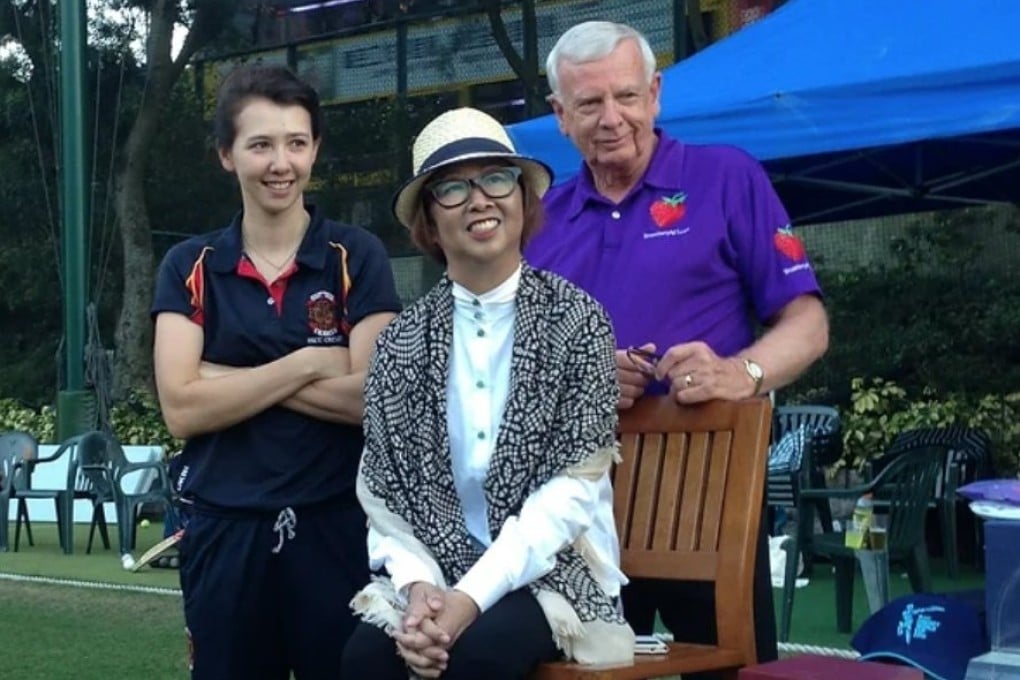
<point>591,41</point>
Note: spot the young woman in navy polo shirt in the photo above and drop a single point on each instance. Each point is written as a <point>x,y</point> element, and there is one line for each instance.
<point>263,335</point>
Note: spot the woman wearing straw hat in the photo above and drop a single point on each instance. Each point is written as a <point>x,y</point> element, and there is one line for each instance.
<point>490,412</point>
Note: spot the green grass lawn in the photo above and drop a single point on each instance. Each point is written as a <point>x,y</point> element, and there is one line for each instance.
<point>61,633</point>
<point>55,631</point>
<point>46,559</point>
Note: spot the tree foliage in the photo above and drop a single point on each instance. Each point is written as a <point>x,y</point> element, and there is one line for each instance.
<point>934,316</point>
<point>146,137</point>
<point>880,409</point>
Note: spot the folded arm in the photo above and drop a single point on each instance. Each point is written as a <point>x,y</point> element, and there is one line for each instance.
<point>339,399</point>
<point>194,405</point>
<point>342,399</point>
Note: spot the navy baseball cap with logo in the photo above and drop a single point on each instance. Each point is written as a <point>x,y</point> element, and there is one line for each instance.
<point>936,634</point>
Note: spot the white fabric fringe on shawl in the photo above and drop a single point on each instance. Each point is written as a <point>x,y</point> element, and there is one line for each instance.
<point>595,642</point>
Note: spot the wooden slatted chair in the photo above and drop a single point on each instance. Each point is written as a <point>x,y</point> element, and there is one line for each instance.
<point>687,500</point>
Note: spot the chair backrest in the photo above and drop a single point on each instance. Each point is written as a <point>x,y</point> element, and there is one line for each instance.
<point>823,424</point>
<point>98,462</point>
<point>688,499</point>
<point>967,449</point>
<point>18,450</point>
<point>908,484</point>
<point>9,463</point>
<point>823,445</point>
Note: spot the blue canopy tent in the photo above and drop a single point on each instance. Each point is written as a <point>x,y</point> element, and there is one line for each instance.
<point>857,109</point>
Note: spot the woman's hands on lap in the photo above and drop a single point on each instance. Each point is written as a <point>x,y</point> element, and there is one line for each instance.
<point>432,624</point>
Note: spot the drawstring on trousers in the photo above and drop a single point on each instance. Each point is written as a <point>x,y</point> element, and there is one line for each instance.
<point>284,528</point>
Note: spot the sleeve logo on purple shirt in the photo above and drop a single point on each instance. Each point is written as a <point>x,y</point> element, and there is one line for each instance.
<point>788,244</point>
<point>668,209</point>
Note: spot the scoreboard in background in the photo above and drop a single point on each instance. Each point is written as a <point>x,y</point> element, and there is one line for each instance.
<point>445,53</point>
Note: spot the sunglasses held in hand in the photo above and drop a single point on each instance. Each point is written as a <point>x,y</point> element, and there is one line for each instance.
<point>645,360</point>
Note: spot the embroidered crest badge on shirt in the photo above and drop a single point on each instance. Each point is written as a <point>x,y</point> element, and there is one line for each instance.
<point>322,314</point>
<point>669,209</point>
<point>788,244</point>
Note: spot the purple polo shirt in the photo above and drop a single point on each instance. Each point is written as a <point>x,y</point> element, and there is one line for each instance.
<point>697,250</point>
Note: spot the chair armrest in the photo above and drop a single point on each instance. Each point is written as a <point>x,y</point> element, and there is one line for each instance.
<point>157,465</point>
<point>854,492</point>
<point>815,494</point>
<point>848,492</point>
<point>64,446</point>
<point>141,465</point>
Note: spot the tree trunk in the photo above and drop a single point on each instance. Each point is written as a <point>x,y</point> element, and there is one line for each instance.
<point>133,336</point>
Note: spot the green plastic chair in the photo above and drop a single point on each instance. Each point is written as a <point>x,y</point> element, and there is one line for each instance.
<point>823,446</point>
<point>77,486</point>
<point>903,489</point>
<point>17,450</point>
<point>104,462</point>
<point>968,458</point>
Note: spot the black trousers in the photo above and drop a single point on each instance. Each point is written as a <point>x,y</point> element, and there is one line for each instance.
<point>687,608</point>
<point>255,613</point>
<point>506,642</point>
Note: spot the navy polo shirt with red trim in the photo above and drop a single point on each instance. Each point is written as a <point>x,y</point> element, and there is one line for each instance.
<point>278,457</point>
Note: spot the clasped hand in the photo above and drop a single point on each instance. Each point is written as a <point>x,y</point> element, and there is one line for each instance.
<point>432,623</point>
<point>693,371</point>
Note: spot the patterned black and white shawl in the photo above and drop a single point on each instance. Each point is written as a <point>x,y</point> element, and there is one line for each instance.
<point>560,419</point>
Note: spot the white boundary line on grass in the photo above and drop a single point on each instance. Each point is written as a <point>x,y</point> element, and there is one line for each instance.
<point>785,647</point>
<point>94,585</point>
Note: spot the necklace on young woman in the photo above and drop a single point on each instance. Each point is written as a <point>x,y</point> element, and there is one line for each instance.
<point>277,268</point>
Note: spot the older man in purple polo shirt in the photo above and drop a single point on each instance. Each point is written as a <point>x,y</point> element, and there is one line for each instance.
<point>689,249</point>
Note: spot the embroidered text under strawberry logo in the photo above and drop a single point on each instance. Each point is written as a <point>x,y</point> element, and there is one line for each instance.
<point>789,244</point>
<point>668,209</point>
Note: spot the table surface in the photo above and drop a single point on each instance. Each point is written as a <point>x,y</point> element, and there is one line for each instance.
<point>829,668</point>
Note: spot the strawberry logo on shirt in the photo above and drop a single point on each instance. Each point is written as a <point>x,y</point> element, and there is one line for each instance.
<point>668,209</point>
<point>788,244</point>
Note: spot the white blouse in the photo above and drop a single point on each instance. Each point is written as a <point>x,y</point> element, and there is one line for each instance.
<point>552,517</point>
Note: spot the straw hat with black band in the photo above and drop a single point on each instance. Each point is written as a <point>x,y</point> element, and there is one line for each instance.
<point>454,137</point>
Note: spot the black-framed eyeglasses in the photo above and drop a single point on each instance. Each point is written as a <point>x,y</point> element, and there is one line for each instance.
<point>454,192</point>
<point>647,359</point>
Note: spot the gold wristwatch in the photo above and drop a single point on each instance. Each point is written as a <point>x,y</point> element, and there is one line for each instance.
<point>754,370</point>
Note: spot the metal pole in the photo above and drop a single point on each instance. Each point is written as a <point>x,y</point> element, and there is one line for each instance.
<point>404,162</point>
<point>73,204</point>
<point>532,98</point>
<point>680,46</point>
